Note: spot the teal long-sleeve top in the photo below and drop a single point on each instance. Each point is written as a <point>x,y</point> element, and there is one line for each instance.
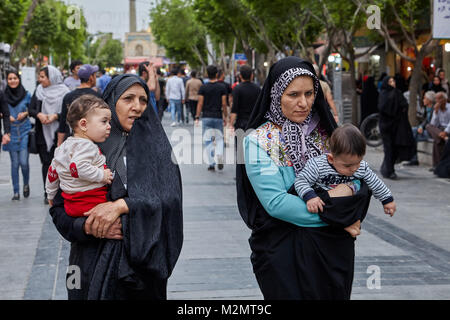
<point>271,182</point>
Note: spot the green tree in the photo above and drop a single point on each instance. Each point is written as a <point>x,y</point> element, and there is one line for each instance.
<point>12,14</point>
<point>106,51</point>
<point>63,39</point>
<point>174,27</point>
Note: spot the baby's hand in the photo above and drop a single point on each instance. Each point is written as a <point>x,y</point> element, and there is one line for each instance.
<point>354,229</point>
<point>315,204</point>
<point>50,202</point>
<point>389,208</point>
<point>107,176</point>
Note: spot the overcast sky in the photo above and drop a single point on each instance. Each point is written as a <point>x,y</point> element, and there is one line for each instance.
<point>112,15</point>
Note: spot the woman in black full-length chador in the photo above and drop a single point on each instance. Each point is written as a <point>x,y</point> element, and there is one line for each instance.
<point>295,254</point>
<point>395,129</point>
<point>127,248</point>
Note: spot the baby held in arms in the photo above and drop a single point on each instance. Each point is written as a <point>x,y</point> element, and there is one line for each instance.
<point>343,168</point>
<point>79,167</point>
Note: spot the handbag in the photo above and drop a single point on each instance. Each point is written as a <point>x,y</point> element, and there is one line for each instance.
<point>32,145</point>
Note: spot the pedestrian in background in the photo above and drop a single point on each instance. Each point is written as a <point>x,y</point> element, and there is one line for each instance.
<point>73,81</point>
<point>103,80</point>
<point>212,107</point>
<point>87,75</point>
<point>192,87</point>
<point>420,133</point>
<point>439,126</point>
<point>4,116</point>
<point>175,95</point>
<point>396,132</point>
<point>369,98</point>
<point>147,73</point>
<point>45,107</point>
<point>162,103</point>
<point>18,100</point>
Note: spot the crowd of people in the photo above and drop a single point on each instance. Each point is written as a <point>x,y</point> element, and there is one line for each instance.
<point>390,98</point>
<point>303,187</point>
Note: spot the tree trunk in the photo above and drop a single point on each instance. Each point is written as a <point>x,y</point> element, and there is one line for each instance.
<point>18,41</point>
<point>355,109</point>
<point>414,89</point>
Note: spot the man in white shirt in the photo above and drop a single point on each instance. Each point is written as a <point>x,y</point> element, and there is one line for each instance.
<point>175,95</point>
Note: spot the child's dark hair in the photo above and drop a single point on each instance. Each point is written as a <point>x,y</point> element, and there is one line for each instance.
<point>82,106</point>
<point>347,139</point>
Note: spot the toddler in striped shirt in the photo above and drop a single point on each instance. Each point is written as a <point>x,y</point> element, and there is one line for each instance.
<point>344,166</point>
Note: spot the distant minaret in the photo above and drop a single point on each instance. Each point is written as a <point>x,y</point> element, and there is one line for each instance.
<point>132,15</point>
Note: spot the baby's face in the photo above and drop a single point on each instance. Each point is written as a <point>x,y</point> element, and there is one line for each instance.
<point>345,164</point>
<point>98,125</point>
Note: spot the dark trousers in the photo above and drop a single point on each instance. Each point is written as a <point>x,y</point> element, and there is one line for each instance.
<point>46,159</point>
<point>438,144</point>
<point>390,156</point>
<point>192,105</point>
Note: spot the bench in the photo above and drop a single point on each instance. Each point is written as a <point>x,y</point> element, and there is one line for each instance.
<point>425,152</point>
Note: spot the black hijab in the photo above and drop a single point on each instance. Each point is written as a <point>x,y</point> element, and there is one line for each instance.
<point>15,95</point>
<point>248,202</point>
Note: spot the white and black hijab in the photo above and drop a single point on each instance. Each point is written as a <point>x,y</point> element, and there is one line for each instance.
<point>52,97</point>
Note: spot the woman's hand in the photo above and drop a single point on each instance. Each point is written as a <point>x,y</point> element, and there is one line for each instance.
<point>43,118</point>
<point>101,217</point>
<point>115,231</point>
<point>52,118</point>
<point>22,116</point>
<point>6,138</point>
<point>12,119</point>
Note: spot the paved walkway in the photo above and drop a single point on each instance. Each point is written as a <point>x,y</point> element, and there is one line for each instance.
<point>411,251</point>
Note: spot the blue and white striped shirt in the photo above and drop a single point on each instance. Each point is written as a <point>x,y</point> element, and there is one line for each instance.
<point>319,173</point>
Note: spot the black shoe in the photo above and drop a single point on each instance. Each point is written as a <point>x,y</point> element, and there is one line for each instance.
<point>220,166</point>
<point>211,168</point>
<point>26,191</point>
<point>45,199</point>
<point>432,169</point>
<point>16,197</point>
<point>393,176</point>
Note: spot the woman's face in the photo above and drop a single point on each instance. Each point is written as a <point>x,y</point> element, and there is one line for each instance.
<point>130,106</point>
<point>297,99</point>
<point>13,80</point>
<point>43,80</point>
<point>391,82</point>
<point>436,81</point>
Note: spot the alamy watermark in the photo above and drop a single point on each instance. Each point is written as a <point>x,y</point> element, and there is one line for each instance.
<point>374,280</point>
<point>374,17</point>
<point>74,19</point>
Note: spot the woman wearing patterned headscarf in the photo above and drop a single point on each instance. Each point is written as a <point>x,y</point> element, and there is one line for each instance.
<point>45,107</point>
<point>295,253</point>
<point>127,247</point>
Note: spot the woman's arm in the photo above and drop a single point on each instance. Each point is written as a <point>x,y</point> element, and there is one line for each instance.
<point>268,184</point>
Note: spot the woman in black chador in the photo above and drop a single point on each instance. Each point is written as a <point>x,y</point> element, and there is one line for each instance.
<point>396,132</point>
<point>295,254</point>
<point>127,248</point>
<point>369,98</point>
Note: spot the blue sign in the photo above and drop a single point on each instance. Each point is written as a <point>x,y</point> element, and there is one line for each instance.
<point>240,56</point>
